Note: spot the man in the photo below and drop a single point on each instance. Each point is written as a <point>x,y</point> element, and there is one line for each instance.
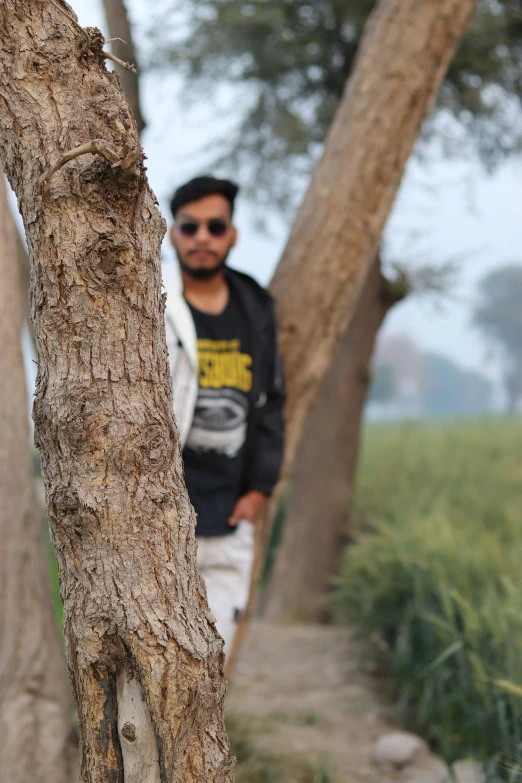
<point>228,392</point>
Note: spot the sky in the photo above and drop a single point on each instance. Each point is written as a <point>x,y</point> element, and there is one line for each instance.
<point>445,211</point>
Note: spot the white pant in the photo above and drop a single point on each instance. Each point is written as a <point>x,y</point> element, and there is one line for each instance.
<point>225,563</point>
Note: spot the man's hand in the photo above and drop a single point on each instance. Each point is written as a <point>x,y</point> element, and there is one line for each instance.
<point>248,507</point>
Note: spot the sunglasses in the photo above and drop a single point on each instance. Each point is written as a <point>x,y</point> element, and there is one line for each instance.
<point>215,226</point>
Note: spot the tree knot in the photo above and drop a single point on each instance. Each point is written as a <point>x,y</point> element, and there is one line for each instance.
<point>65,505</point>
<point>96,41</point>
<point>150,449</point>
<point>129,731</point>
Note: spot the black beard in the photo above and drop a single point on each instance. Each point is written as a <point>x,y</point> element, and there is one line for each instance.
<point>202,272</point>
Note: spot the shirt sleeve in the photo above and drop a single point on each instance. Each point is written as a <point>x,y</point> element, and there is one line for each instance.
<point>269,433</point>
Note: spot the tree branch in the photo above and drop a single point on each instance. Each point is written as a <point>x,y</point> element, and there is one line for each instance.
<point>117,60</point>
<point>99,147</point>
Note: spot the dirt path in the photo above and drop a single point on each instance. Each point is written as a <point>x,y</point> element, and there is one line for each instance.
<point>311,690</point>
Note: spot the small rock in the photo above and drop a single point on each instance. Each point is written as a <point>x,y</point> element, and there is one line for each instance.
<point>397,749</point>
<point>467,771</point>
<point>426,768</point>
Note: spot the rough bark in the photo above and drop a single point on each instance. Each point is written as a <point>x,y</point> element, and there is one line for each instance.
<point>404,54</point>
<point>35,701</point>
<point>119,27</point>
<point>140,639</point>
<point>318,520</point>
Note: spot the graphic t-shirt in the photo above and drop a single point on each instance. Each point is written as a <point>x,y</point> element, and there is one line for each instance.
<point>214,452</point>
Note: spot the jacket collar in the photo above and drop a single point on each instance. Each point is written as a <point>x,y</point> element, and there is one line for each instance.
<point>256,301</point>
<point>180,318</point>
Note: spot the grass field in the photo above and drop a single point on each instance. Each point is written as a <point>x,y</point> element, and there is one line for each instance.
<point>434,580</point>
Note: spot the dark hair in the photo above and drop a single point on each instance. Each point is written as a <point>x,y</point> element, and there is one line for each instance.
<point>199,187</point>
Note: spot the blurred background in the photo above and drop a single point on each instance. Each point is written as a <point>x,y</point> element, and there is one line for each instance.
<point>208,108</point>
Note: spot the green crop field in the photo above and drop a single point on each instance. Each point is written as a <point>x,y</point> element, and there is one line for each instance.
<point>434,579</point>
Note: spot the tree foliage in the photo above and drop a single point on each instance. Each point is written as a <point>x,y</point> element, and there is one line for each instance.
<point>450,390</point>
<point>438,385</point>
<point>293,58</point>
<point>498,315</point>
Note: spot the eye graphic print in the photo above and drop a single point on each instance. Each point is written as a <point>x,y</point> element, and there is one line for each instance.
<point>220,422</point>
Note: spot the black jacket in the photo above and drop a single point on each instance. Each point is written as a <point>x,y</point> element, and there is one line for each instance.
<point>266,428</point>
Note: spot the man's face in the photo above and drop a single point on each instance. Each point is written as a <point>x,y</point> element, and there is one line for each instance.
<point>203,234</point>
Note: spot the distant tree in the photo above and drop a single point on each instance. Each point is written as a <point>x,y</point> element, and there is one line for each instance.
<point>498,315</point>
<point>35,701</point>
<point>478,393</point>
<point>401,356</point>
<point>450,390</point>
<point>381,389</point>
<point>292,60</point>
<point>121,33</point>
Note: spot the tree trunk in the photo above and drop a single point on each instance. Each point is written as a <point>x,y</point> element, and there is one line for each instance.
<point>403,56</point>
<point>35,700</point>
<point>145,658</point>
<point>318,520</point>
<point>119,27</point>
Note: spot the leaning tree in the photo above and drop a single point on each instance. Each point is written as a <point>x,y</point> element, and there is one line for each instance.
<point>333,243</point>
<point>35,701</point>
<point>497,314</point>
